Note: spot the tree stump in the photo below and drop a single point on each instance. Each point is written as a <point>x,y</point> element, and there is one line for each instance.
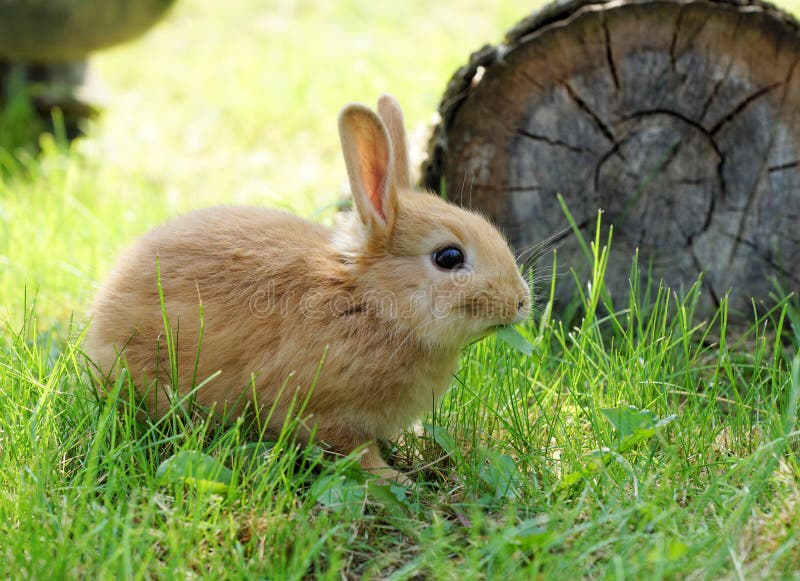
<point>680,120</point>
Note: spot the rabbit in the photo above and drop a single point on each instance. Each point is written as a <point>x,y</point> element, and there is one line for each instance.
<point>388,300</point>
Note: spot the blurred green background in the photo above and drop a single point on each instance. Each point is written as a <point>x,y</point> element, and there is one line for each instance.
<point>221,103</point>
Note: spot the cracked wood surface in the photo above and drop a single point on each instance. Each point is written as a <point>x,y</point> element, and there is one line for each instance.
<point>680,120</point>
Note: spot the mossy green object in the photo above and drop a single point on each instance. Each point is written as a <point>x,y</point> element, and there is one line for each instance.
<point>64,30</point>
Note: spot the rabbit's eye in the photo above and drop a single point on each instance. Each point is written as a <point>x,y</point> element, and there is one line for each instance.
<point>448,258</point>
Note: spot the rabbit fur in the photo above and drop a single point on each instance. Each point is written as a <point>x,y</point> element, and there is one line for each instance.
<point>279,292</point>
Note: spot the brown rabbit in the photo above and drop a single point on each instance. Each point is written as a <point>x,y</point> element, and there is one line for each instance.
<point>392,296</point>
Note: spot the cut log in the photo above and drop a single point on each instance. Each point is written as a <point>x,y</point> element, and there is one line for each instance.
<point>681,121</point>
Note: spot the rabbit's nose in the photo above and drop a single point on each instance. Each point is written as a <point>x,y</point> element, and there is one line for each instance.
<point>523,303</point>
<point>523,308</point>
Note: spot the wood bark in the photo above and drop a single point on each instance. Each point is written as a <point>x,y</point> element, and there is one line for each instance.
<point>680,120</point>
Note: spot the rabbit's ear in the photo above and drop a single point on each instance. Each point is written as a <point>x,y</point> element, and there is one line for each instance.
<point>368,156</point>
<point>389,110</point>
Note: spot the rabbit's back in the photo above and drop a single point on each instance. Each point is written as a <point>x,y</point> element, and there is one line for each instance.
<point>238,263</point>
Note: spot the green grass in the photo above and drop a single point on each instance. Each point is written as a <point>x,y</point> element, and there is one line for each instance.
<point>532,466</point>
